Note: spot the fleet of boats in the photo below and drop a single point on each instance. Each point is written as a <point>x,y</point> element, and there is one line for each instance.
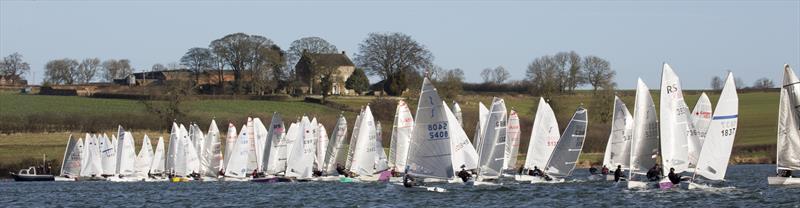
<point>433,147</point>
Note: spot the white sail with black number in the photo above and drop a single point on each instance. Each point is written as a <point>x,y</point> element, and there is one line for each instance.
<point>275,149</point>
<point>618,148</point>
<point>675,126</point>
<point>565,156</point>
<point>237,162</point>
<point>544,137</point>
<point>71,164</point>
<point>713,160</point>
<point>788,153</point>
<point>644,143</point>
<point>368,157</point>
<point>429,152</point>
<point>336,153</point>
<point>491,148</point>
<point>401,137</point>
<point>701,118</point>
<point>301,157</point>
<point>108,156</point>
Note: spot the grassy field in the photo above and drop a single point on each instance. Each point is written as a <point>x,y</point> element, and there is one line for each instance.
<point>754,141</point>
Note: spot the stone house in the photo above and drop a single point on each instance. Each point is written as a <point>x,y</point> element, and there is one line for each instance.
<point>339,62</point>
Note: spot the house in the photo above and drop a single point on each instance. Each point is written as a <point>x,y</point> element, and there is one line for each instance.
<point>204,78</point>
<point>342,65</point>
<point>12,80</point>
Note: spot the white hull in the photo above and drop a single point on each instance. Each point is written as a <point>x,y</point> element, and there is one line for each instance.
<point>125,179</point>
<point>326,178</point>
<point>59,178</point>
<point>639,185</point>
<point>777,181</point>
<point>421,188</point>
<point>155,180</point>
<point>235,179</point>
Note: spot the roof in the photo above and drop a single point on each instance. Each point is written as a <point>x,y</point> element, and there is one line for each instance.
<point>330,59</point>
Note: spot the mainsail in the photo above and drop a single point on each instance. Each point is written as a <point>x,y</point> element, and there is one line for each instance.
<point>93,165</point>
<point>565,156</point>
<point>351,148</point>
<point>676,127</point>
<point>462,151</point>
<point>458,114</point>
<point>211,154</point>
<point>401,136</point>
<point>157,166</point>
<point>618,148</point>
<point>513,133</point>
<point>322,147</point>
<point>335,156</point>
<point>701,118</point>
<point>544,137</point>
<point>127,155</point>
<point>145,158</point>
<point>230,141</point>
<point>237,160</point>
<point>429,149</point>
<point>788,154</point>
<point>644,143</point>
<point>492,145</point>
<point>108,156</point>
<point>713,161</point>
<point>71,165</point>
<point>261,137</point>
<point>275,149</point>
<point>367,154</point>
<point>483,117</point>
<point>301,157</point>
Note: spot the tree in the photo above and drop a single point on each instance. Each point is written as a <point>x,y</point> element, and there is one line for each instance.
<point>500,75</point>
<point>449,85</point>
<point>739,83</point>
<point>309,45</point>
<point>14,65</point>
<point>568,65</point>
<point>358,81</point>
<point>198,60</point>
<point>543,76</point>
<point>763,83</point>
<point>598,72</point>
<point>61,71</point>
<point>158,67</point>
<point>245,52</point>
<point>388,55</point>
<point>116,69</point>
<point>87,70</point>
<point>716,83</point>
<point>488,75</point>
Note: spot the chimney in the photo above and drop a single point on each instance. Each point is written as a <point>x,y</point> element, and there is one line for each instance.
<point>343,52</point>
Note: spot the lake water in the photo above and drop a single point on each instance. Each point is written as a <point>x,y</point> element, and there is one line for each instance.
<point>746,187</point>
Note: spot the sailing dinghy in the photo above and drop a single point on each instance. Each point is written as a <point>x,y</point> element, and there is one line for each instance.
<point>544,137</point>
<point>618,148</point>
<point>788,153</point>
<point>568,149</point>
<point>644,142</point>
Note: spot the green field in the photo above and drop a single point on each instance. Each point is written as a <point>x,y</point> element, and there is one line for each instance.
<point>755,139</point>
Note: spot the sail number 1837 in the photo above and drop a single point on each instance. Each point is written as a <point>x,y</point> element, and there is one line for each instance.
<point>728,132</point>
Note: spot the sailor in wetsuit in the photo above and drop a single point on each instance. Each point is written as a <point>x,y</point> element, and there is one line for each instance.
<point>464,174</point>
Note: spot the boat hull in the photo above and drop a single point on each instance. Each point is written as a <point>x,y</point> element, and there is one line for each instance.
<point>783,181</point>
<point>25,177</point>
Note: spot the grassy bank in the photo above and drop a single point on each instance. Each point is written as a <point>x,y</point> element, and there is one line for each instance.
<point>33,125</point>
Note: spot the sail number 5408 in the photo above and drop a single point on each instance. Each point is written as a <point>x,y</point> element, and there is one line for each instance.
<point>438,131</point>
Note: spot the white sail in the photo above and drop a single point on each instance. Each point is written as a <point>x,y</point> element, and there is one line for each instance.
<point>192,158</point>
<point>458,114</point>
<point>382,161</point>
<point>211,154</point>
<point>401,136</point>
<point>127,155</point>
<point>701,118</point>
<point>462,151</point>
<point>237,161</point>
<point>275,149</point>
<point>322,147</point>
<point>301,158</point>
<point>544,136</point>
<point>568,150</point>
<point>713,161</point>
<point>483,115</point>
<point>173,149</point>
<point>292,134</point>
<point>492,146</point>
<point>71,164</point>
<point>430,147</point>
<point>198,140</point>
<point>252,161</point>
<point>367,154</point>
<point>335,156</point>
<point>93,165</point>
<point>157,165</point>
<point>644,143</point>
<point>108,156</point>
<point>513,133</point>
<point>675,126</point>
<point>788,153</point>
<point>351,148</point>
<point>618,148</point>
<point>230,141</point>
<point>145,158</point>
<point>261,133</point>
<point>118,144</point>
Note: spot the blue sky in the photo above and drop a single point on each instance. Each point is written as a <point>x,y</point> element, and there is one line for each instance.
<point>699,39</point>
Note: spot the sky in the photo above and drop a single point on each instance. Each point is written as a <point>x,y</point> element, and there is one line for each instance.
<point>699,39</point>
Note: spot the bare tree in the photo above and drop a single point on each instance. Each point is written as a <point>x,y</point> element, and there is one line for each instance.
<point>309,45</point>
<point>543,76</point>
<point>116,69</point>
<point>158,67</point>
<point>242,52</point>
<point>198,60</point>
<point>716,83</point>
<point>739,83</point>
<point>449,84</point>
<point>598,72</point>
<point>500,75</point>
<point>87,70</point>
<point>14,65</point>
<point>488,75</point>
<point>568,65</point>
<point>388,55</point>
<point>763,83</point>
<point>61,71</point>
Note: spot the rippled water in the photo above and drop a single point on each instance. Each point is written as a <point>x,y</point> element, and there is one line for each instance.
<point>746,186</point>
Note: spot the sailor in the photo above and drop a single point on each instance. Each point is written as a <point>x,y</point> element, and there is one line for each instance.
<point>604,171</point>
<point>618,173</point>
<point>536,171</point>
<point>653,173</point>
<point>592,170</point>
<point>464,174</point>
<point>785,173</point>
<point>408,180</point>
<point>340,169</point>
<point>521,170</point>
<point>674,178</point>
<point>394,172</point>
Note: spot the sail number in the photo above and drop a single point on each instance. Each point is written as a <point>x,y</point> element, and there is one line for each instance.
<point>728,132</point>
<point>438,131</point>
